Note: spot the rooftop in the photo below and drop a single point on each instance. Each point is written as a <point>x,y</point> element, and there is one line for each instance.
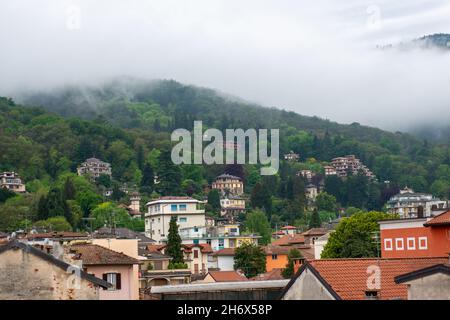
<point>227,276</point>
<point>275,274</point>
<point>347,278</point>
<point>289,239</point>
<point>91,254</point>
<point>440,220</point>
<point>225,252</point>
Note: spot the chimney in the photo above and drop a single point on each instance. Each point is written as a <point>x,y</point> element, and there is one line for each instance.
<point>298,262</point>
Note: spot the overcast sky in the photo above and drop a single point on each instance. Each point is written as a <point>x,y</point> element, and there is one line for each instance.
<point>315,57</point>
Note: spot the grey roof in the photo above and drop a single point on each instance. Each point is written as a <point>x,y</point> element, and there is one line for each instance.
<point>14,245</point>
<point>121,233</point>
<point>217,286</point>
<point>228,176</point>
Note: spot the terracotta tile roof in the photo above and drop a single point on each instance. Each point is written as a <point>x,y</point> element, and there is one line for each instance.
<point>227,276</point>
<point>307,252</point>
<point>204,247</point>
<point>275,274</point>
<point>57,235</point>
<point>91,254</point>
<point>271,249</point>
<point>289,228</point>
<point>155,248</point>
<point>348,277</point>
<point>315,232</point>
<point>441,220</point>
<point>225,252</point>
<point>289,239</point>
<point>278,233</point>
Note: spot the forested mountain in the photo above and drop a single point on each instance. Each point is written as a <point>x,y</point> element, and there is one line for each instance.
<point>127,122</point>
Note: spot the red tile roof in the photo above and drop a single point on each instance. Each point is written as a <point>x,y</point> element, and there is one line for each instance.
<point>441,220</point>
<point>275,274</point>
<point>204,247</point>
<point>225,252</point>
<point>315,232</point>
<point>92,254</point>
<point>348,278</point>
<point>227,276</point>
<point>271,249</point>
<point>57,235</point>
<point>289,239</point>
<point>289,228</point>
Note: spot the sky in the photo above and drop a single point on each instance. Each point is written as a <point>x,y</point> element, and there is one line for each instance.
<point>314,57</point>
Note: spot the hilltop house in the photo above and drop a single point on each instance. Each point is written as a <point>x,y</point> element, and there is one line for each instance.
<point>409,204</point>
<point>93,168</point>
<point>12,182</point>
<point>229,185</point>
<point>187,211</point>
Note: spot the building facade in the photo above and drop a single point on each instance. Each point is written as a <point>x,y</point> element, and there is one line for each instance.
<point>188,212</point>
<point>12,182</point>
<point>93,168</point>
<point>229,185</point>
<point>350,165</point>
<point>415,238</point>
<point>409,204</point>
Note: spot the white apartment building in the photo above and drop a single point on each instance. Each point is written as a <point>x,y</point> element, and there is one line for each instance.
<point>189,213</point>
<point>94,167</point>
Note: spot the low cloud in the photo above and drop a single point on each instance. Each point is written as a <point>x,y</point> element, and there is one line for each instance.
<point>315,58</point>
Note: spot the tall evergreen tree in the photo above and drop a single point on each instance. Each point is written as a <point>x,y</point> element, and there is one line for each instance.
<point>214,200</point>
<point>148,177</point>
<point>173,248</point>
<point>69,189</point>
<point>169,174</point>
<point>315,220</point>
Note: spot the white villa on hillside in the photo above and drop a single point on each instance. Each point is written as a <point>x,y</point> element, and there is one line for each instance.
<point>189,213</point>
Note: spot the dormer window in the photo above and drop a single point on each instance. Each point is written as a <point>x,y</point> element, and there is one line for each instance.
<point>371,295</point>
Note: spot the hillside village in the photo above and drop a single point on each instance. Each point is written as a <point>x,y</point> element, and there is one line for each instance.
<point>218,253</point>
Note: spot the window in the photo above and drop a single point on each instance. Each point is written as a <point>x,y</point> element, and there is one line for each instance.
<point>195,254</point>
<point>114,279</point>
<point>196,268</point>
<point>173,207</point>
<point>388,244</point>
<point>183,219</point>
<point>274,257</point>
<point>423,243</point>
<point>182,207</point>
<point>411,243</point>
<point>371,295</point>
<point>221,243</point>
<point>399,244</point>
<point>196,241</point>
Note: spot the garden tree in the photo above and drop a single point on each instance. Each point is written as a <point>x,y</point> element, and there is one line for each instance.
<point>315,222</point>
<point>235,170</point>
<point>76,214</point>
<point>334,185</point>
<point>104,180</point>
<point>110,215</point>
<point>173,248</point>
<point>353,237</point>
<point>57,223</point>
<point>326,202</point>
<point>357,190</point>
<point>261,197</point>
<point>5,194</point>
<point>68,190</point>
<point>169,174</point>
<point>148,179</point>
<point>256,222</point>
<point>87,201</point>
<point>189,187</point>
<point>293,254</point>
<point>214,200</point>
<point>251,259</point>
<point>15,210</point>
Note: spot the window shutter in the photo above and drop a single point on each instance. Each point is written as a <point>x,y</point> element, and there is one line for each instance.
<point>118,281</point>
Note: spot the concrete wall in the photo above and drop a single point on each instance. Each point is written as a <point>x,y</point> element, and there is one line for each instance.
<point>307,287</point>
<point>126,246</point>
<point>433,287</point>
<point>24,276</point>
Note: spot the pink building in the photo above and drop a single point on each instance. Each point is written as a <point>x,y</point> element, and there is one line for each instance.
<point>116,268</point>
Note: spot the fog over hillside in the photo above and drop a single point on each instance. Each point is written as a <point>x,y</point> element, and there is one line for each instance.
<point>316,58</point>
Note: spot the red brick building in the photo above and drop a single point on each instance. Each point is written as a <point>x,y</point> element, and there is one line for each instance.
<point>414,238</point>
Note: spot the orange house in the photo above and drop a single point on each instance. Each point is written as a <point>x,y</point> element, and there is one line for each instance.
<point>415,238</point>
<point>276,257</point>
